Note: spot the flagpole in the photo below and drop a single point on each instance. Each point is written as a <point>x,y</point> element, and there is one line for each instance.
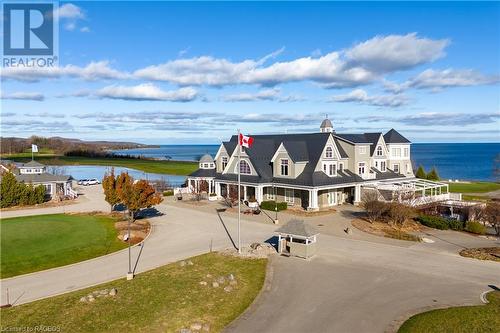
<point>239,190</point>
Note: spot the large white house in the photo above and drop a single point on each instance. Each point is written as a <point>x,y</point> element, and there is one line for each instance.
<point>312,170</point>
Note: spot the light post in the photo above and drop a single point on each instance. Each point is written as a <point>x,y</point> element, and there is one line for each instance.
<point>130,274</point>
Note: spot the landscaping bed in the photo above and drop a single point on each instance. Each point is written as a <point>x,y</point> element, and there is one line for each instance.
<point>464,319</point>
<point>203,294</point>
<point>35,243</point>
<point>386,230</point>
<point>482,253</point>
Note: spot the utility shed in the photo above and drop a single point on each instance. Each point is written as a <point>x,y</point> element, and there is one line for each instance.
<point>297,238</point>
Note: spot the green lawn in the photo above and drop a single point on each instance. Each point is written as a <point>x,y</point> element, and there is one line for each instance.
<point>154,166</point>
<point>466,319</point>
<point>474,187</point>
<point>35,243</point>
<point>165,299</point>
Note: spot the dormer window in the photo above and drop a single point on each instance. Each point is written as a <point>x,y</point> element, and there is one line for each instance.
<point>284,167</point>
<point>330,169</point>
<point>379,151</point>
<point>245,168</point>
<point>329,152</point>
<point>224,162</point>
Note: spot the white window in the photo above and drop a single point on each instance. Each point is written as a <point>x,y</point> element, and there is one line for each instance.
<point>270,193</point>
<point>289,196</point>
<point>245,168</point>
<point>406,152</point>
<point>382,166</point>
<point>284,167</point>
<point>362,150</point>
<point>224,162</point>
<point>379,151</point>
<point>396,152</point>
<point>395,167</point>
<point>341,167</point>
<point>361,168</point>
<point>329,152</point>
<point>408,168</point>
<point>332,171</point>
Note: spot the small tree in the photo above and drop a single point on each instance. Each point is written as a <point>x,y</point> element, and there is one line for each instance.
<point>109,186</point>
<point>398,213</point>
<point>138,195</point>
<point>421,173</point>
<point>9,190</point>
<point>433,174</point>
<point>199,188</point>
<point>373,206</point>
<point>232,195</point>
<point>492,215</point>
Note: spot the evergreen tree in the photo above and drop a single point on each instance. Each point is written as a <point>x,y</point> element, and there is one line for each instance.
<point>421,173</point>
<point>9,192</point>
<point>433,175</point>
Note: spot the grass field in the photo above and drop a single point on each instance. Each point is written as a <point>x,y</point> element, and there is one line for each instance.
<point>474,187</point>
<point>39,242</point>
<point>165,299</point>
<point>464,319</point>
<point>162,167</point>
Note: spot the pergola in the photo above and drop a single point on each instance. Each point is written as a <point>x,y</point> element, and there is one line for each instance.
<point>422,190</point>
<point>297,238</point>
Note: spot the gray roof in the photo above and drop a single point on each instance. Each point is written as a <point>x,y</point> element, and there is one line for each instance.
<point>394,136</point>
<point>32,164</point>
<point>206,159</point>
<point>41,178</point>
<point>326,123</point>
<point>203,173</point>
<point>297,227</point>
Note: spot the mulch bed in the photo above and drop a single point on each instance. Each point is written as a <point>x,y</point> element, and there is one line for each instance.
<point>385,230</point>
<point>138,230</point>
<point>482,253</point>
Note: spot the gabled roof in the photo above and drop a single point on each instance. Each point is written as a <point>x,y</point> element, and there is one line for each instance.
<point>297,227</point>
<point>41,178</point>
<point>373,139</point>
<point>394,136</point>
<point>206,159</point>
<point>366,138</point>
<point>203,173</point>
<point>32,164</point>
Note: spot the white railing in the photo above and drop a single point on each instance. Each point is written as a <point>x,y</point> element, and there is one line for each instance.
<point>72,193</point>
<point>456,196</point>
<point>429,199</point>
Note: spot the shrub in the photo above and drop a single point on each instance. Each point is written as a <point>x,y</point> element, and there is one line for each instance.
<point>271,205</point>
<point>433,174</point>
<point>398,213</point>
<point>14,193</point>
<point>421,173</point>
<point>475,228</point>
<point>374,208</point>
<point>435,222</point>
<point>456,225</point>
<point>168,193</point>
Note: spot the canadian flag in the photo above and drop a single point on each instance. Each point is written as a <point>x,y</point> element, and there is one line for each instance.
<point>246,141</point>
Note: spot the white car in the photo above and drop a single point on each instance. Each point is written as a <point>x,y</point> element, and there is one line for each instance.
<point>93,181</point>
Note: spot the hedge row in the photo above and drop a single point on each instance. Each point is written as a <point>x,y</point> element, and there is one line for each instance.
<point>441,223</point>
<point>271,205</point>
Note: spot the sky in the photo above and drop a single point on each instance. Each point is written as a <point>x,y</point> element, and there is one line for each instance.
<point>180,72</point>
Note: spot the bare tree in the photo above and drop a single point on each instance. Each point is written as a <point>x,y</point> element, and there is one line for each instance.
<point>399,213</point>
<point>373,206</point>
<point>199,189</point>
<point>492,215</point>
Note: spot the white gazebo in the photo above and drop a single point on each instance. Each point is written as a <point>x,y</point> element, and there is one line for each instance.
<point>297,238</point>
<point>205,173</point>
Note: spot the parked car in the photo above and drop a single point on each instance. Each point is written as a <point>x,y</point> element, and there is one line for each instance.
<point>82,181</point>
<point>93,181</point>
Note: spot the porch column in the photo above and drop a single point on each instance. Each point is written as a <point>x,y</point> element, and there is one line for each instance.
<point>357,194</point>
<point>245,193</point>
<point>259,193</point>
<point>313,200</point>
<point>209,186</point>
<point>217,189</point>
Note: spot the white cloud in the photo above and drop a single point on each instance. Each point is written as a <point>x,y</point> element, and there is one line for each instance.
<point>85,29</point>
<point>70,11</point>
<point>147,92</point>
<point>440,118</point>
<point>93,71</point>
<point>359,65</point>
<point>28,96</point>
<point>362,97</point>
<point>432,79</point>
<point>262,95</point>
<point>70,26</point>
<point>396,52</point>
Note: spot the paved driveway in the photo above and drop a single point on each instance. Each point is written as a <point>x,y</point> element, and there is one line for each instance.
<point>358,286</point>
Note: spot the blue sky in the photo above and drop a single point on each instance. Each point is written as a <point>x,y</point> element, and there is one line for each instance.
<point>175,72</point>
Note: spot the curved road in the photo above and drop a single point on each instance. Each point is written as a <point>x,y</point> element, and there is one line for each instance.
<point>351,286</point>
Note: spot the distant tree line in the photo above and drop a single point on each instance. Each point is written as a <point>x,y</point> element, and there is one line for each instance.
<point>135,195</point>
<point>92,153</point>
<point>13,145</point>
<point>14,193</point>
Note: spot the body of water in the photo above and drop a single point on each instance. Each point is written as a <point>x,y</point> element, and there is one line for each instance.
<point>464,161</point>
<point>94,171</point>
